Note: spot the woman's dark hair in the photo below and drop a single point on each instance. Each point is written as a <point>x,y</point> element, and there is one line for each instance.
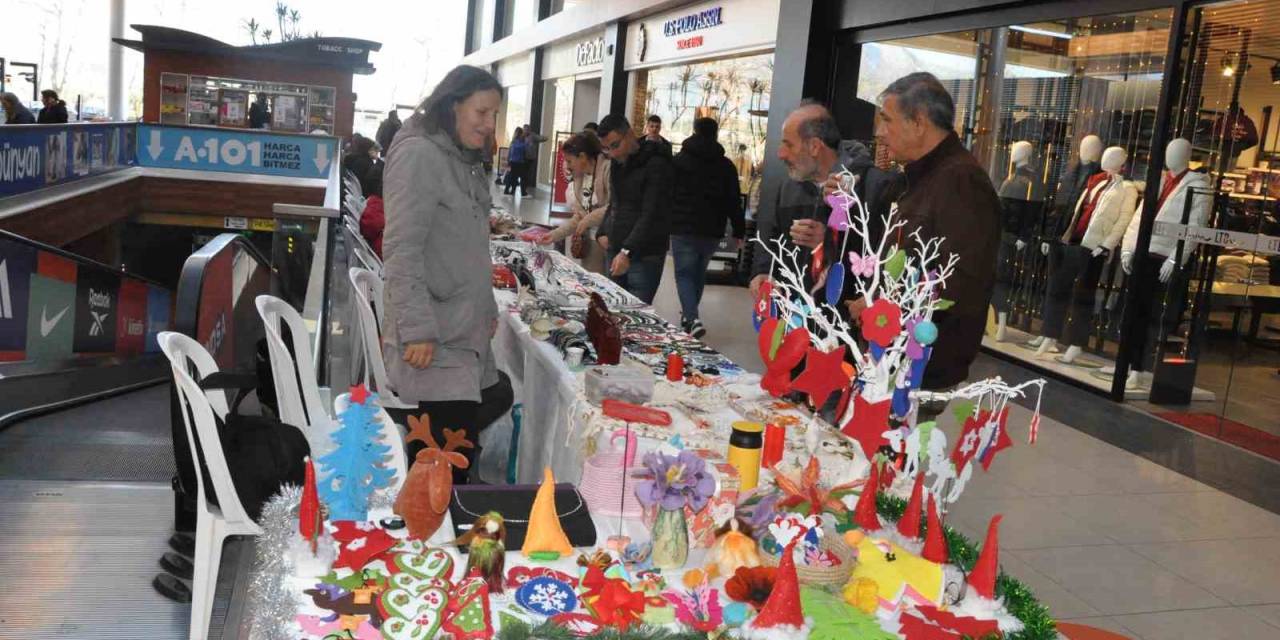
<point>460,83</point>
<point>359,146</point>
<point>519,133</point>
<point>590,126</point>
<point>373,180</point>
<point>585,142</point>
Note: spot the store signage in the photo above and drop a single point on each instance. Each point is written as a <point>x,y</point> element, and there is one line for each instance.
<point>685,24</point>
<point>298,156</point>
<point>35,157</point>
<point>642,43</point>
<point>689,43</point>
<point>1236,240</point>
<point>590,52</point>
<point>234,222</point>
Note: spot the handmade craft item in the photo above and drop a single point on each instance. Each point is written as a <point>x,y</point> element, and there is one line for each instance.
<point>486,543</point>
<point>604,331</point>
<point>909,523</point>
<point>745,444</point>
<point>415,616</point>
<point>627,412</point>
<point>751,585</point>
<point>606,484</point>
<point>698,608</point>
<point>935,543</point>
<point>864,514</point>
<point>545,534</point>
<point>356,467</point>
<point>806,493</point>
<point>359,543</point>
<point>467,616</point>
<point>675,367</point>
<point>672,483</point>
<point>897,574</point>
<point>424,498</point>
<point>547,596</point>
<point>734,549</point>
<point>775,443</point>
<point>781,616</point>
<point>983,576</point>
<point>310,520</point>
<point>611,600</point>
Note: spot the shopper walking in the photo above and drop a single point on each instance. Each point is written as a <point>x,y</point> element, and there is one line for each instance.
<point>54,111</point>
<point>588,199</point>
<point>387,131</point>
<point>636,228</point>
<point>705,201</point>
<point>359,159</point>
<point>529,177</point>
<point>440,312</point>
<point>14,111</point>
<point>949,197</point>
<point>653,133</point>
<point>515,162</point>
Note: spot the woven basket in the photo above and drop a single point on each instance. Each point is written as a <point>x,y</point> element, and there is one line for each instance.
<point>602,486</point>
<point>835,576</point>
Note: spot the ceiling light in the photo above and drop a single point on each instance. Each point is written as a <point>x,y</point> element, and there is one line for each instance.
<point>1042,32</point>
<point>1229,63</point>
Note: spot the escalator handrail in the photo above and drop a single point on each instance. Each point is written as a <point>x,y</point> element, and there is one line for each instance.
<point>79,259</point>
<point>191,279</point>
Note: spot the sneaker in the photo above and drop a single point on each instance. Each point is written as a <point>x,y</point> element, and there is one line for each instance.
<point>696,329</point>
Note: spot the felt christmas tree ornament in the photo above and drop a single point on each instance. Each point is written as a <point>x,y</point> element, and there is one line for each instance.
<point>782,615</point>
<point>935,543</point>
<point>983,576</point>
<point>864,513</point>
<point>909,523</point>
<point>545,533</point>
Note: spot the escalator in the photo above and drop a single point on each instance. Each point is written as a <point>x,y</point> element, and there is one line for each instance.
<point>90,495</point>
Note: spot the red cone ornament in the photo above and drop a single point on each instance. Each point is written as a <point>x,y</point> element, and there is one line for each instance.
<point>909,524</point>
<point>309,524</point>
<point>935,544</point>
<point>783,606</point>
<point>864,513</point>
<point>983,576</point>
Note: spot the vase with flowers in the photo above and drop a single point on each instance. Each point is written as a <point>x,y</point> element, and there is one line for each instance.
<point>671,484</point>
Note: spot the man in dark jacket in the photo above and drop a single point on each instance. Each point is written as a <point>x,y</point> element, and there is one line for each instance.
<point>948,196</point>
<point>636,229</point>
<point>812,150</point>
<point>387,131</point>
<point>705,199</point>
<point>54,111</point>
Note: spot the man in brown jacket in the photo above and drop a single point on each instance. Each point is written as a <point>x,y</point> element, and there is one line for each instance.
<point>948,195</point>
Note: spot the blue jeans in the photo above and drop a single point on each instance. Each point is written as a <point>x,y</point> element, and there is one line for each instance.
<point>642,278</point>
<point>691,254</point>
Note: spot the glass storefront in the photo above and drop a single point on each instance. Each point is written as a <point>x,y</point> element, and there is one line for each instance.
<point>734,91</point>
<point>1044,107</point>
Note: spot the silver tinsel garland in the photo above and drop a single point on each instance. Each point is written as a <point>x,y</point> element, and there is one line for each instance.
<point>272,604</point>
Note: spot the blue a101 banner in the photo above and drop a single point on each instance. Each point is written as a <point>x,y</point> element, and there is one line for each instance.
<point>297,156</point>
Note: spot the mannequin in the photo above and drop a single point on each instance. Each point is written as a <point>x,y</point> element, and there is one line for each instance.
<point>1021,198</point>
<point>1161,269</point>
<point>1069,191</point>
<point>1097,225</point>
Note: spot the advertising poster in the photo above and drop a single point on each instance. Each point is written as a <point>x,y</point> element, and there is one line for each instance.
<point>51,327</point>
<point>214,318</point>
<point>96,311</point>
<point>131,322</point>
<point>159,311</point>
<point>297,156</point>
<point>21,165</point>
<point>17,261</point>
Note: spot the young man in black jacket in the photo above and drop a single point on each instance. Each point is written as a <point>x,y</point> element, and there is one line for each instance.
<point>706,198</point>
<point>54,111</point>
<point>636,229</point>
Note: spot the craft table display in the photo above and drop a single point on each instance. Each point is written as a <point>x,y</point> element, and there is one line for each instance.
<point>843,537</point>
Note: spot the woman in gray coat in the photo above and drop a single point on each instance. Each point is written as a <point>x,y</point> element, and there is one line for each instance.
<point>440,312</point>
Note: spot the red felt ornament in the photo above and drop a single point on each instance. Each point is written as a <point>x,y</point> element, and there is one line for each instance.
<point>868,424</point>
<point>359,394</point>
<point>909,523</point>
<point>970,440</point>
<point>782,609</point>
<point>935,543</point>
<point>360,543</point>
<point>823,374</point>
<point>983,576</point>
<point>628,412</point>
<point>881,322</point>
<point>611,600</point>
<point>1001,440</point>
<point>864,513</point>
<point>965,625</point>
<point>310,521</point>
<point>915,628</point>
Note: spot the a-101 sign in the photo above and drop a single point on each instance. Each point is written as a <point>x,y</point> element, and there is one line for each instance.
<point>298,156</point>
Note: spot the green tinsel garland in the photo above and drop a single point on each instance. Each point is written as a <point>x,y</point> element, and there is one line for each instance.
<point>552,631</point>
<point>1018,599</point>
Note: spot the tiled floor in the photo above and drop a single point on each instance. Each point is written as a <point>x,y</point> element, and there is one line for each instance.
<point>1104,537</point>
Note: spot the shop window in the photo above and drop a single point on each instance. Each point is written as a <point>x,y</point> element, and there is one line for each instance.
<point>734,91</point>
<point>1027,98</point>
<point>1215,322</point>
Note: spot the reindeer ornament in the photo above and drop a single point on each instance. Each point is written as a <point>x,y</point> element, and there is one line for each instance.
<point>425,496</point>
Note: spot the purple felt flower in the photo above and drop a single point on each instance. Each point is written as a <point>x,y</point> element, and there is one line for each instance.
<point>676,481</point>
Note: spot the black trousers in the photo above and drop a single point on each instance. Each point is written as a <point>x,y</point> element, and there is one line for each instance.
<point>1168,300</point>
<point>1068,301</point>
<point>470,417</point>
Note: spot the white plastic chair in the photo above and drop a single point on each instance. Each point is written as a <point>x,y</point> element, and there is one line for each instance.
<point>368,287</point>
<point>298,394</point>
<point>213,524</point>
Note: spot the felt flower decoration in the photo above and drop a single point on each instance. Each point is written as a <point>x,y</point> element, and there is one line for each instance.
<point>751,585</point>
<point>862,266</point>
<point>881,322</point>
<point>805,490</point>
<point>676,481</point>
<point>698,608</point>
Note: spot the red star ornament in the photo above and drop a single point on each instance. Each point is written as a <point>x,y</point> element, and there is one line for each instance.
<point>823,374</point>
<point>868,424</point>
<point>970,440</point>
<point>359,394</point>
<point>1001,440</point>
<point>361,543</point>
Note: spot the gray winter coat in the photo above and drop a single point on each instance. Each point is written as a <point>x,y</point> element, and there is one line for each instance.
<point>437,267</point>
